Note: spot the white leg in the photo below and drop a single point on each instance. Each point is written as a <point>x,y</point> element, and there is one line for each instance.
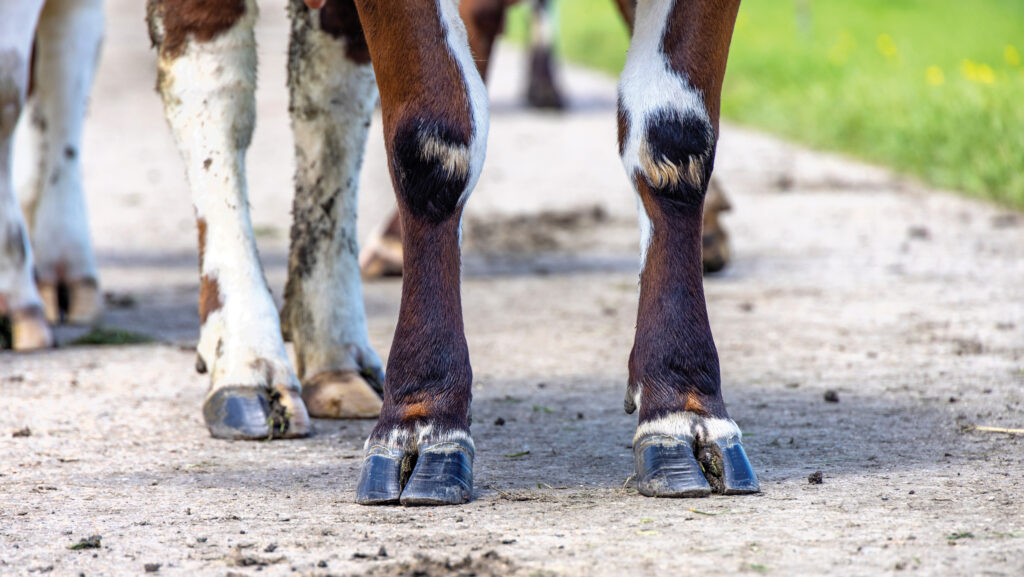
<point>18,296</point>
<point>207,77</point>
<point>333,92</point>
<point>67,50</point>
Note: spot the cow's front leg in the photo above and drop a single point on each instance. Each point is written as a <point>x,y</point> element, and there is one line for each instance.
<point>333,93</point>
<point>19,299</point>
<point>685,445</point>
<point>207,78</point>
<point>435,127</point>
<point>66,52</point>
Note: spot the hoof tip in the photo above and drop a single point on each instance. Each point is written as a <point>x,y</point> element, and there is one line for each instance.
<point>443,476</point>
<point>341,395</point>
<point>380,480</point>
<point>254,413</point>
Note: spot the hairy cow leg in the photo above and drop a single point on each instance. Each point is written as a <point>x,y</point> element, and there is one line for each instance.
<point>668,124</point>
<point>19,298</point>
<point>66,52</point>
<point>435,127</point>
<point>207,78</point>
<point>333,93</point>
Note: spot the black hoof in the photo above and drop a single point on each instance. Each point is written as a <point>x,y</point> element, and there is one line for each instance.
<point>666,467</point>
<point>735,476</point>
<point>380,480</point>
<point>443,475</point>
<point>254,413</point>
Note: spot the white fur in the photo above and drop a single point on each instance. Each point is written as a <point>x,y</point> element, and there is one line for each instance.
<point>67,49</point>
<point>402,440</point>
<point>337,338</point>
<point>208,94</point>
<point>17,25</point>
<point>458,44</point>
<point>647,85</point>
<point>691,426</point>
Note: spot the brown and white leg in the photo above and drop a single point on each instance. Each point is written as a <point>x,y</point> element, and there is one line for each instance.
<point>66,53</point>
<point>207,78</point>
<point>333,94</point>
<point>19,298</point>
<point>668,127</point>
<point>435,128</point>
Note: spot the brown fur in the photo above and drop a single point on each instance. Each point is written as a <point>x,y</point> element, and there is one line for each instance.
<point>340,19</point>
<point>697,42</point>
<point>209,297</point>
<point>200,19</point>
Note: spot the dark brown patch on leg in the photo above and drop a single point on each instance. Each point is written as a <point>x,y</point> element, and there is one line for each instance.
<point>171,22</point>
<point>340,19</point>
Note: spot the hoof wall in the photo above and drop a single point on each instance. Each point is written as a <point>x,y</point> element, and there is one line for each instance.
<point>78,303</point>
<point>341,395</point>
<point>666,467</point>
<point>254,413</point>
<point>30,331</point>
<point>380,480</point>
<point>443,476</point>
<point>738,476</point>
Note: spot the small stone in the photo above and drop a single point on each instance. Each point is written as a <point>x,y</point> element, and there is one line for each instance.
<point>152,567</point>
<point>382,552</point>
<point>22,432</point>
<point>831,396</point>
<point>321,563</point>
<point>816,478</point>
<point>499,422</point>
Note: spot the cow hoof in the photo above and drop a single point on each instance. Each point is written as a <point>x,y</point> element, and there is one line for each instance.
<point>85,303</point>
<point>255,413</point>
<point>30,331</point>
<point>342,395</point>
<point>382,257</point>
<point>715,251</point>
<point>77,303</point>
<point>727,468</point>
<point>443,475</point>
<point>667,467</point>
<point>380,480</point>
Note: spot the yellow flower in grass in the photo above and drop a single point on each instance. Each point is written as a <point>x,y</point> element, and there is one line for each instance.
<point>886,46</point>
<point>976,72</point>
<point>935,76</point>
<point>1011,55</point>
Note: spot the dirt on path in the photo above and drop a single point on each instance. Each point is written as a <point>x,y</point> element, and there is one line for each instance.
<point>902,306</point>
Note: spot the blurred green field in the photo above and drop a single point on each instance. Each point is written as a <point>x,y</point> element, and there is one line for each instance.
<point>933,88</point>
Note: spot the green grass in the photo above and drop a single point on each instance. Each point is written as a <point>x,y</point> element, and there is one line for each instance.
<point>933,88</point>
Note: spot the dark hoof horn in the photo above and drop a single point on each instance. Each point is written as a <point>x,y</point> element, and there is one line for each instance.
<point>666,467</point>
<point>380,480</point>
<point>443,475</point>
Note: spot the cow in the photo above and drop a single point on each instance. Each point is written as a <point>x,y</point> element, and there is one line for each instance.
<point>381,256</point>
<point>47,267</point>
<point>416,58</point>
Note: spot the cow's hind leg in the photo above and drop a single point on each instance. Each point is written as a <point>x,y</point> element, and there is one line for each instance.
<point>435,128</point>
<point>207,78</point>
<point>685,444</point>
<point>333,93</point>
<point>19,299</point>
<point>66,52</point>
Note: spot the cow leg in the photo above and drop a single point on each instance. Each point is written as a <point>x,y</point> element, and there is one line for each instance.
<point>668,124</point>
<point>541,90</point>
<point>333,93</point>
<point>435,128</point>
<point>19,298</point>
<point>66,52</point>
<point>207,78</point>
